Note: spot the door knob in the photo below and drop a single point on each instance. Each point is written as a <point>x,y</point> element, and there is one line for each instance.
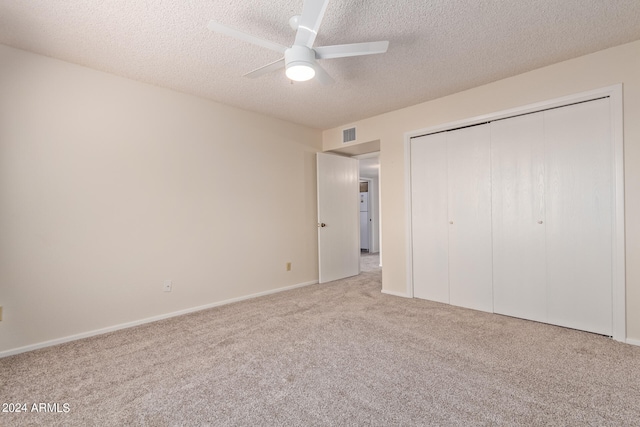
<point>540,222</point>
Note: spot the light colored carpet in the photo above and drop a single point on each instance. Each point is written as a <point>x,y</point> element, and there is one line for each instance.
<point>340,353</point>
<point>369,262</point>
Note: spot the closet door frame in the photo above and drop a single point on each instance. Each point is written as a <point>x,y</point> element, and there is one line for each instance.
<point>614,93</point>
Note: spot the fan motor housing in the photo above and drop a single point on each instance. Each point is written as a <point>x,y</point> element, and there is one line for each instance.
<point>299,54</point>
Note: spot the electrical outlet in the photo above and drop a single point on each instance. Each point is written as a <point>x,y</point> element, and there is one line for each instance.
<point>167,285</point>
<point>288,266</point>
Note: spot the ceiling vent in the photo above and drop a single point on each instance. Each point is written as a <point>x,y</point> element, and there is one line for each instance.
<point>348,135</point>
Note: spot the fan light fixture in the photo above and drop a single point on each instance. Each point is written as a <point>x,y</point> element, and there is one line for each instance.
<point>300,72</point>
<point>299,63</point>
<point>299,60</point>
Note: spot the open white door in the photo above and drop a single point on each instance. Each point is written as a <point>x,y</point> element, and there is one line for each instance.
<point>338,217</point>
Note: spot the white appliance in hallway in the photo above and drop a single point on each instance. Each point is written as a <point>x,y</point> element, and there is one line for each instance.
<point>364,221</point>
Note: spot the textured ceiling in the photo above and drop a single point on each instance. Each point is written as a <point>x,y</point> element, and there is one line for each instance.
<point>437,47</point>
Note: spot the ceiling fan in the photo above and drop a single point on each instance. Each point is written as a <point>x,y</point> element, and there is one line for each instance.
<point>299,60</point>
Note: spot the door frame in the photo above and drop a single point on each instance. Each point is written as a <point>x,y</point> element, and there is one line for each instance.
<point>614,93</point>
<point>378,204</point>
<point>373,218</point>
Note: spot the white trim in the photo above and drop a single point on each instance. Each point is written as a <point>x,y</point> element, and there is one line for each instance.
<point>618,244</point>
<point>633,342</point>
<point>614,92</point>
<point>380,213</point>
<point>408,216</point>
<point>101,331</point>
<point>395,294</point>
<point>318,216</point>
<point>358,213</point>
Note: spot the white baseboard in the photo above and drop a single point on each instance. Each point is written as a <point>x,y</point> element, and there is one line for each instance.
<point>633,342</point>
<point>108,329</point>
<point>395,294</point>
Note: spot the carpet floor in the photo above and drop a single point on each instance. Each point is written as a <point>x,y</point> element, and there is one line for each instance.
<point>340,353</point>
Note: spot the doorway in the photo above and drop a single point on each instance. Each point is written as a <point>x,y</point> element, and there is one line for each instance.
<point>369,169</point>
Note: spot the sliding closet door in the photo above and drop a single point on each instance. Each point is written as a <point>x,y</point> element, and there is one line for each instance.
<point>429,217</point>
<point>578,193</point>
<point>517,173</point>
<point>469,208</point>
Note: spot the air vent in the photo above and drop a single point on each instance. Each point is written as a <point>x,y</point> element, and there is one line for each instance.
<point>348,135</point>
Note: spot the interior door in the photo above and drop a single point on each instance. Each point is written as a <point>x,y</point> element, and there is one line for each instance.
<point>469,206</point>
<point>578,199</point>
<point>338,217</point>
<point>429,220</point>
<point>519,254</point>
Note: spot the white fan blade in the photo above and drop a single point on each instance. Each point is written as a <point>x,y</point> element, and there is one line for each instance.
<point>310,19</point>
<point>355,49</point>
<point>232,32</point>
<point>322,75</point>
<point>275,65</point>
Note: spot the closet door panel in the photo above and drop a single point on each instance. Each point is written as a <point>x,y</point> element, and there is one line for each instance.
<point>469,201</point>
<point>579,216</point>
<point>429,217</point>
<point>517,175</point>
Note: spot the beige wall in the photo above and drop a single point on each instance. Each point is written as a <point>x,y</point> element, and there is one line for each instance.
<point>617,65</point>
<point>109,186</point>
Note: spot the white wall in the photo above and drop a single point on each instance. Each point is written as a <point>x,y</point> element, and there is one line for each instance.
<point>616,65</point>
<point>109,186</point>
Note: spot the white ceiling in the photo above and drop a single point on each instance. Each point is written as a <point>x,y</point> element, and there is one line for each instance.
<point>437,47</point>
